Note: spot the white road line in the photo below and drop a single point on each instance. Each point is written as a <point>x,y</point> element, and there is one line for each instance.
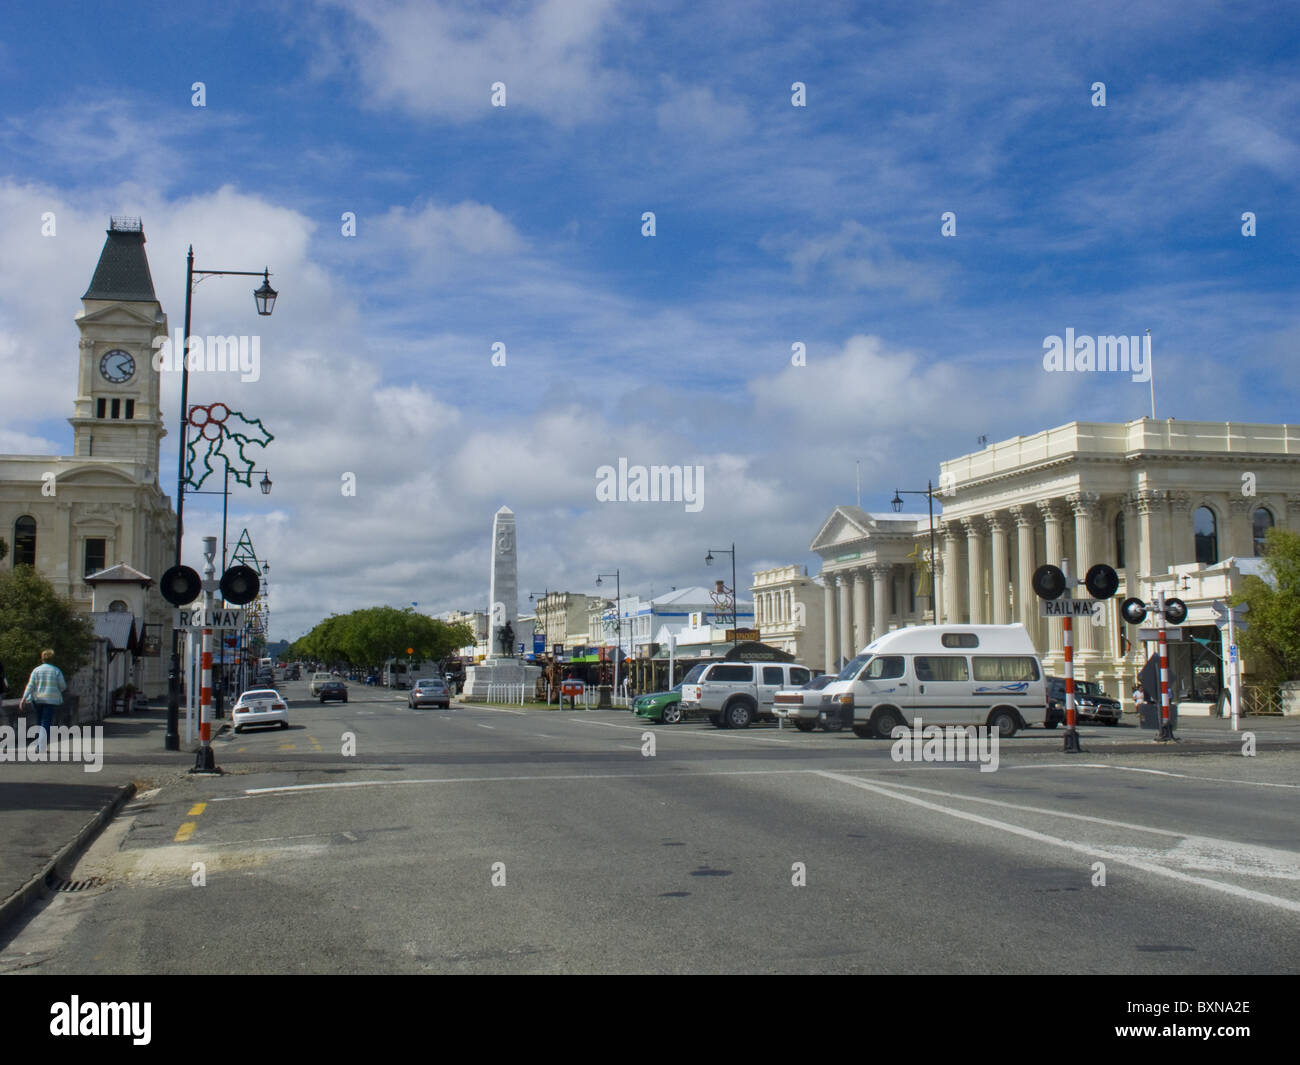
<point>494,709</point>
<point>1091,850</point>
<point>287,788</point>
<point>1153,772</point>
<point>481,725</point>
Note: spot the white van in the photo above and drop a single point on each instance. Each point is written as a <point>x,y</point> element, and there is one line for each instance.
<point>945,675</point>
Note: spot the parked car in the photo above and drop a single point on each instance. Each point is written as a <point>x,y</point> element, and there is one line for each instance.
<point>429,690</point>
<point>333,689</point>
<point>372,680</point>
<point>260,706</point>
<point>660,706</point>
<point>318,679</point>
<point>736,694</point>
<point>1091,703</point>
<point>809,706</point>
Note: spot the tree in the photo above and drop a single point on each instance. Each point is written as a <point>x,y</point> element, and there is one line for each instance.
<point>1271,644</point>
<point>33,616</point>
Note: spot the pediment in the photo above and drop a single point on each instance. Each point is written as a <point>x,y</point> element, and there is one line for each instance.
<point>86,476</point>
<point>122,314</point>
<point>846,525</point>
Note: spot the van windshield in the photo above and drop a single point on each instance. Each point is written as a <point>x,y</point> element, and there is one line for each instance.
<point>851,670</point>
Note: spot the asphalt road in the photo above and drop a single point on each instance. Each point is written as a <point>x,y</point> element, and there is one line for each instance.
<point>486,840</point>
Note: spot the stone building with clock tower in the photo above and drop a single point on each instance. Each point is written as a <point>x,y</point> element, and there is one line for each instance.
<point>74,516</point>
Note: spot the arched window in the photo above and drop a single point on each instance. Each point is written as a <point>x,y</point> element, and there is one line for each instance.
<point>1206,527</point>
<point>118,606</point>
<point>1261,522</point>
<point>25,541</point>
<point>1119,540</point>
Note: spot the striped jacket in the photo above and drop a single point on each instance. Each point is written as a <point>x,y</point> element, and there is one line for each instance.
<point>46,685</point>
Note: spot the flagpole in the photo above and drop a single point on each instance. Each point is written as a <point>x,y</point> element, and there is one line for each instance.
<point>1151,377</point>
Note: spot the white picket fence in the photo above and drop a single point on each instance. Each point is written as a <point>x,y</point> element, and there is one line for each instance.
<point>512,694</point>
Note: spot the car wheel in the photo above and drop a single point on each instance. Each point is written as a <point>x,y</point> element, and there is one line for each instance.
<point>239,729</point>
<point>672,714</point>
<point>884,722</point>
<point>283,725</point>
<point>739,715</point>
<point>832,723</point>
<point>1049,724</point>
<point>863,732</point>
<point>1005,722</point>
<point>345,698</point>
<point>805,726</point>
<point>717,721</point>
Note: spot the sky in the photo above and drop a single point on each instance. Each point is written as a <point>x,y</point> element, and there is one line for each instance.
<point>501,321</point>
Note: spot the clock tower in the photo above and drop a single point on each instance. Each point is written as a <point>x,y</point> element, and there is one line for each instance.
<point>117,407</point>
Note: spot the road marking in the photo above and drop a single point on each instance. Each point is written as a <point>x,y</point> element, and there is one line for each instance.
<point>185,832</point>
<point>315,743</point>
<point>288,746</point>
<point>1081,848</point>
<point>1153,772</point>
<point>481,725</point>
<point>494,709</point>
<point>284,788</point>
<point>197,809</point>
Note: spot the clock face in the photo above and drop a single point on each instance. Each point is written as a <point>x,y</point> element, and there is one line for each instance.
<point>117,366</point>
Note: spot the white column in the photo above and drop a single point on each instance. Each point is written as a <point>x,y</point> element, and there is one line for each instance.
<point>846,617</point>
<point>1026,601</point>
<point>880,577</point>
<point>828,615</point>
<point>998,546</point>
<point>1051,511</point>
<point>950,609</point>
<point>862,622</point>
<point>1086,509</point>
<point>975,568</point>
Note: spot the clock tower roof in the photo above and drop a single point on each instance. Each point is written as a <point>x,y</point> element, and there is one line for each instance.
<point>123,269</point>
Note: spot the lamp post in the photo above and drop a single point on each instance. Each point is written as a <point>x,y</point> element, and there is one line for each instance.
<point>264,296</point>
<point>897,504</point>
<point>546,631</point>
<point>735,624</point>
<point>618,616</point>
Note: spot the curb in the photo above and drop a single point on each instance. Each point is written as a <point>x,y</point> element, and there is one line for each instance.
<point>13,907</point>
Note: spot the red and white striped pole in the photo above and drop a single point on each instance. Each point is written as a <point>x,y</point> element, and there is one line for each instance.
<point>203,760</point>
<point>1071,733</point>
<point>205,690</point>
<point>1166,729</point>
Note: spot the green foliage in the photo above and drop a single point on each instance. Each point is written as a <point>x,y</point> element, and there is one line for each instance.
<point>33,617</point>
<point>4,548</point>
<point>368,638</point>
<point>1271,645</point>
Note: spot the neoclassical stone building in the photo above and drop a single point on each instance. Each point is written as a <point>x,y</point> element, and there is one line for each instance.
<point>789,611</point>
<point>1154,499</point>
<point>74,516</point>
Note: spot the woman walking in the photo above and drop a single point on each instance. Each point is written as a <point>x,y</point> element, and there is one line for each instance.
<point>44,691</point>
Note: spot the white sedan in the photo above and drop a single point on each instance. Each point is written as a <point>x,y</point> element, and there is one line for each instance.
<point>261,706</point>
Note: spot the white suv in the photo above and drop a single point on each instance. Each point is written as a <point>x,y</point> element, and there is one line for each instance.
<point>735,694</point>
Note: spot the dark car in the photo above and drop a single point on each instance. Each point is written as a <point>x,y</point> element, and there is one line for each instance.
<point>1091,703</point>
<point>334,689</point>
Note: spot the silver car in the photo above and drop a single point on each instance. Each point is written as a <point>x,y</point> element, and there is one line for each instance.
<point>262,706</point>
<point>426,692</point>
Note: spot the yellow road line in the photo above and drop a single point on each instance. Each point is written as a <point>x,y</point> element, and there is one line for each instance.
<point>185,831</point>
<point>197,809</point>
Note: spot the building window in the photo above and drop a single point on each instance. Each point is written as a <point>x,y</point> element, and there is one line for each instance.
<point>893,597</point>
<point>130,408</point>
<point>25,541</point>
<point>95,552</point>
<point>101,407</point>
<point>911,595</point>
<point>117,408</point>
<point>1206,528</point>
<point>1261,522</point>
<point>118,606</point>
<point>1119,541</point>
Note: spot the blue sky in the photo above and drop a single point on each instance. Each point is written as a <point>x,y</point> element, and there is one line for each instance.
<point>775,224</point>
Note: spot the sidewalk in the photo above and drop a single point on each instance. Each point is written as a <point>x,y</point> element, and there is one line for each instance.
<point>49,811</point>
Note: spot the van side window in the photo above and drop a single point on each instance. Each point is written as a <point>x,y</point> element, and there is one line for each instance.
<point>799,677</point>
<point>941,667</point>
<point>731,674</point>
<point>960,639</point>
<point>773,675</point>
<point>884,667</point>
<point>1005,667</point>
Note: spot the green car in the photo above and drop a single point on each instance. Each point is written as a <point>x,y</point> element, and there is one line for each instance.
<point>660,706</point>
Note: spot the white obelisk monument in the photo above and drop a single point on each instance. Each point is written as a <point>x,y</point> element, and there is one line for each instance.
<point>503,665</point>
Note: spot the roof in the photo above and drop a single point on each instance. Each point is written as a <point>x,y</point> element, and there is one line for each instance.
<point>927,639</point>
<point>119,574</point>
<point>123,269</point>
<point>118,628</point>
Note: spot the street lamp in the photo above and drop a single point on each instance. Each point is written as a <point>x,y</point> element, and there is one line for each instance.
<point>264,297</point>
<point>735,625</point>
<point>897,504</point>
<point>618,616</point>
<point>546,637</point>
